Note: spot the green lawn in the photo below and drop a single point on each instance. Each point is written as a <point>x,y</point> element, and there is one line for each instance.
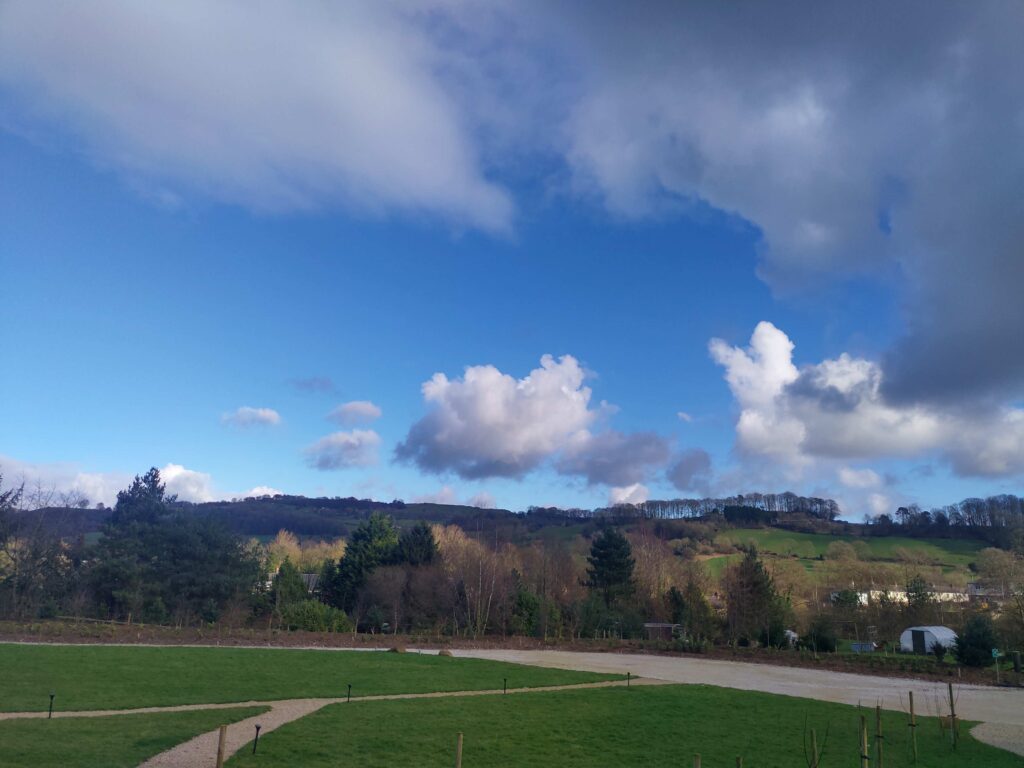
<point>105,742</point>
<point>641,726</point>
<point>121,677</point>
<point>956,553</point>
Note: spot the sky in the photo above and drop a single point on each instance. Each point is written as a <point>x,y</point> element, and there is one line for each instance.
<point>513,254</point>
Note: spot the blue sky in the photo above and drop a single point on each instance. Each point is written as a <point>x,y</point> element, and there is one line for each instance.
<point>169,257</point>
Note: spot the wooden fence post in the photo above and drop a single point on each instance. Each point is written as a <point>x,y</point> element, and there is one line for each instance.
<point>458,750</point>
<point>864,757</point>
<point>953,725</point>
<point>221,744</point>
<point>913,727</point>
<point>696,761</point>
<point>879,738</point>
<point>814,748</point>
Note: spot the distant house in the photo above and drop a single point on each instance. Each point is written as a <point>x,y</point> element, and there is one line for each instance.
<point>899,596</point>
<point>923,639</point>
<point>978,591</point>
<point>659,630</point>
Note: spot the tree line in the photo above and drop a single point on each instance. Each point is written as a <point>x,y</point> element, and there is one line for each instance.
<point>156,561</point>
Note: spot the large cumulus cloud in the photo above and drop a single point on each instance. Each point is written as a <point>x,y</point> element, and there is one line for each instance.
<point>837,410</point>
<point>490,424</point>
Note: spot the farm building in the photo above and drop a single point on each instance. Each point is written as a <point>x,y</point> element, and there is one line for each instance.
<point>923,639</point>
<point>659,630</point>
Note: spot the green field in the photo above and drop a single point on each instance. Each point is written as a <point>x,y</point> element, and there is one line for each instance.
<point>122,677</point>
<point>951,553</point>
<point>639,726</point>
<point>119,741</point>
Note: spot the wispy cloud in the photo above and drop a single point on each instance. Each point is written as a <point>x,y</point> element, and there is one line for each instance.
<point>247,416</point>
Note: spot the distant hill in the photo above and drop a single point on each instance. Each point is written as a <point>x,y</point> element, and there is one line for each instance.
<point>996,519</point>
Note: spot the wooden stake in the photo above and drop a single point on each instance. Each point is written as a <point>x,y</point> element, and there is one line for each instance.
<point>696,761</point>
<point>864,757</point>
<point>913,727</point>
<point>814,748</point>
<point>879,738</point>
<point>221,744</point>
<point>953,725</point>
<point>458,751</point>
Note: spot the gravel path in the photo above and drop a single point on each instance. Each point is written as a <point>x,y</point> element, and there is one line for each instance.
<point>1000,710</point>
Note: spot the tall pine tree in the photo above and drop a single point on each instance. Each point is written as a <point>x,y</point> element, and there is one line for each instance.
<point>611,566</point>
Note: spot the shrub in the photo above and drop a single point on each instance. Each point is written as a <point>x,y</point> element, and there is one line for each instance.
<point>314,616</point>
<point>974,646</point>
<point>821,635</point>
<point>939,650</point>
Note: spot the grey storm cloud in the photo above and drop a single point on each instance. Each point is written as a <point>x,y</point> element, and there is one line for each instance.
<point>615,458</point>
<point>691,471</point>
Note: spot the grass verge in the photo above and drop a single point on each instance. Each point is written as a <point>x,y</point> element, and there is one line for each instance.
<point>124,677</point>
<point>118,741</point>
<point>641,726</point>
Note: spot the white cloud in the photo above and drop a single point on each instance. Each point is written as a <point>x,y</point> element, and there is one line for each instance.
<point>684,416</point>
<point>247,416</point>
<point>482,500</point>
<point>277,107</point>
<point>444,495</point>
<point>859,478</point>
<point>635,493</point>
<point>837,410</point>
<point>263,490</point>
<point>342,450</point>
<point>879,504</point>
<point>355,412</point>
<point>67,478</point>
<point>490,424</point>
<point>188,484</point>
<point>757,376</point>
<point>64,478</point>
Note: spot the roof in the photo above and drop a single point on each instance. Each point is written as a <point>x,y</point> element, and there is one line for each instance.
<point>941,633</point>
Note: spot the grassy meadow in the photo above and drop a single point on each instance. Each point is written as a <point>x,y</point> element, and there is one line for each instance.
<point>639,726</point>
<point>956,553</point>
<point>119,741</point>
<point>123,677</point>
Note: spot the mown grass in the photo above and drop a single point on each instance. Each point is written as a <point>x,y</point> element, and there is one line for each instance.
<point>122,677</point>
<point>640,726</point>
<point>119,741</point>
<point>953,553</point>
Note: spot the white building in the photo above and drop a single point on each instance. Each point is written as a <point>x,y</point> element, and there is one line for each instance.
<point>923,639</point>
